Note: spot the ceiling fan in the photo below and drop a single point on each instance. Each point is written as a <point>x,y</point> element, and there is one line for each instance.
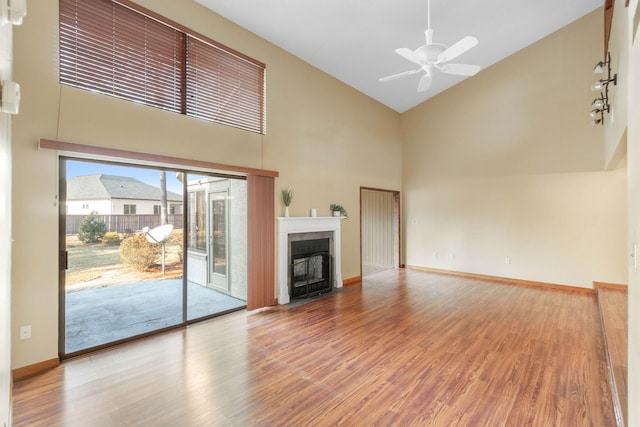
<point>435,56</point>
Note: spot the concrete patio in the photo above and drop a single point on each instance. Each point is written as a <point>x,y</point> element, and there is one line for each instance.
<point>102,315</point>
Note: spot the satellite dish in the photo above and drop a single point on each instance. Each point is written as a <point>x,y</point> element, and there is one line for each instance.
<point>159,235</point>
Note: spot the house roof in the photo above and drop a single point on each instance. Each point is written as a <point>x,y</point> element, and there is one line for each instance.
<point>100,187</point>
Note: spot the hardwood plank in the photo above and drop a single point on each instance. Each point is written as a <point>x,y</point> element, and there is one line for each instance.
<point>613,313</point>
<point>404,348</point>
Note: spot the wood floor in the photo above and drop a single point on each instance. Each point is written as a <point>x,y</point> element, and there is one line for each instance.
<point>613,311</point>
<point>406,348</point>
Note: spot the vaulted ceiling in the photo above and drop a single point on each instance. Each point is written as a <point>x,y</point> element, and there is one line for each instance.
<point>354,40</point>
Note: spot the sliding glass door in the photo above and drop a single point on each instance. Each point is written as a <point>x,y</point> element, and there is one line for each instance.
<point>128,268</point>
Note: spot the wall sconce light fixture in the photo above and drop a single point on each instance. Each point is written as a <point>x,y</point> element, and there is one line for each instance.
<point>601,105</point>
<point>9,97</point>
<point>12,11</point>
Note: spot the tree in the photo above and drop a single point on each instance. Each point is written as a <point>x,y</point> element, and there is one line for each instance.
<point>91,229</point>
<point>163,198</point>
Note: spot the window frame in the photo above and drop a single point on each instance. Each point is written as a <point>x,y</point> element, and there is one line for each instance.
<point>198,228</point>
<point>129,209</point>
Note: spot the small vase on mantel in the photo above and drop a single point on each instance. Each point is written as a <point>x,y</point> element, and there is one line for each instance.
<point>287,196</point>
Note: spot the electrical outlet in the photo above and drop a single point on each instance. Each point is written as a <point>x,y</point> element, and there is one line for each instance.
<point>25,332</point>
<point>453,256</point>
<point>435,254</point>
<point>507,260</point>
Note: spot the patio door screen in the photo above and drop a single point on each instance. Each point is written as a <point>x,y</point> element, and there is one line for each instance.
<point>128,268</point>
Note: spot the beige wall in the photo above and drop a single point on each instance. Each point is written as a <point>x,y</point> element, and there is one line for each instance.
<point>633,147</point>
<point>507,165</point>
<point>5,233</point>
<point>324,138</point>
<point>616,121</point>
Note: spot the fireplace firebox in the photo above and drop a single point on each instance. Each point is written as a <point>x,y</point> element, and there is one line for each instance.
<point>310,270</point>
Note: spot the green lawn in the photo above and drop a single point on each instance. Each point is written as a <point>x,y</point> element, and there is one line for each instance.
<point>95,257</point>
<point>91,262</point>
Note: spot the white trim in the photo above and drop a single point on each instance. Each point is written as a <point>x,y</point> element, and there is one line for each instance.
<point>292,225</point>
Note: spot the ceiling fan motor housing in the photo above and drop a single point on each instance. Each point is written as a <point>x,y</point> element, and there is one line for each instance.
<point>430,53</point>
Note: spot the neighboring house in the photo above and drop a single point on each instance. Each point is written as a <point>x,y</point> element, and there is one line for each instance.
<point>114,195</point>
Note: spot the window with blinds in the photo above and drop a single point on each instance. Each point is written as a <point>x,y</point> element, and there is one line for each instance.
<point>120,49</point>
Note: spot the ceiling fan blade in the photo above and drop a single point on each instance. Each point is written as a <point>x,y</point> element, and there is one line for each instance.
<point>460,69</point>
<point>397,76</point>
<point>425,83</point>
<point>457,49</point>
<point>408,54</point>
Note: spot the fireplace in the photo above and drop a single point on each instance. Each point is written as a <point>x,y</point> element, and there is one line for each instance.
<point>308,246</point>
<point>310,269</point>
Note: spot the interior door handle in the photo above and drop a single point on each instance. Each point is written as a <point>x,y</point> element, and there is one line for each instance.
<point>64,260</point>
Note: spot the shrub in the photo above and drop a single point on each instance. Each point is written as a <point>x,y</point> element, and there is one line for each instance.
<point>138,253</point>
<point>111,239</point>
<point>176,240</point>
<point>91,229</point>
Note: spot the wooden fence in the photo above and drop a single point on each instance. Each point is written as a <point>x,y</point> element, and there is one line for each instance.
<point>123,223</point>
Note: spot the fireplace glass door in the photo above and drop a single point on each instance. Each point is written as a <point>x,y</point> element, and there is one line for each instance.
<point>310,272</point>
<point>311,275</point>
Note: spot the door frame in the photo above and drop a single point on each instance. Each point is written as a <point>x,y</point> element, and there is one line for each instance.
<point>397,237</point>
<point>62,252</point>
<point>217,280</point>
<point>260,207</point>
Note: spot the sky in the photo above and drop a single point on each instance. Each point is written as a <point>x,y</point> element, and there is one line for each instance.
<point>148,176</point>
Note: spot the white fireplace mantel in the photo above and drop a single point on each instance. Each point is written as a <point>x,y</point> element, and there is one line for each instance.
<point>293,225</point>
